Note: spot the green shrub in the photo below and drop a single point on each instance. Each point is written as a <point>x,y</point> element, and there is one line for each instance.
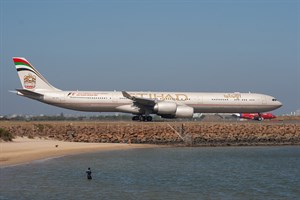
<point>39,127</point>
<point>5,135</point>
<point>30,136</point>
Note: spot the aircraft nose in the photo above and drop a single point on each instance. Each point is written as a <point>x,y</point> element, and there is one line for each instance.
<point>278,104</point>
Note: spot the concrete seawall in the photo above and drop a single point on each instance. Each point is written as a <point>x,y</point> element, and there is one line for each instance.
<point>176,133</point>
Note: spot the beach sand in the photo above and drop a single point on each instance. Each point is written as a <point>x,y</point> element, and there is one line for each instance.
<point>24,150</point>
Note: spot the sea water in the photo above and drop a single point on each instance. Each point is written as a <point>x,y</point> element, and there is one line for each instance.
<point>160,173</point>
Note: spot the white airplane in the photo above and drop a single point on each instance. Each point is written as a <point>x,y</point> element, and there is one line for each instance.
<point>141,104</point>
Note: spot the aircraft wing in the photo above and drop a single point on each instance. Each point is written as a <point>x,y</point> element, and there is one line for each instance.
<point>139,100</point>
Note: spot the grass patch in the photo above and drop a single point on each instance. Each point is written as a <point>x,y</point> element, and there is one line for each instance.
<point>39,127</point>
<point>5,135</point>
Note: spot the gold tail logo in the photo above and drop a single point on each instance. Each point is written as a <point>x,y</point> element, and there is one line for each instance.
<point>29,81</point>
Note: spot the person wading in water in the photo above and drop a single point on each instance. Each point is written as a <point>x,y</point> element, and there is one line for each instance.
<point>89,174</point>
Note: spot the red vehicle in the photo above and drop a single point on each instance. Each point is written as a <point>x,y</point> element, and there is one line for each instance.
<point>255,116</point>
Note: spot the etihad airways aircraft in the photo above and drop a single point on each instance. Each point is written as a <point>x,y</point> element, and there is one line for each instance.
<point>141,104</point>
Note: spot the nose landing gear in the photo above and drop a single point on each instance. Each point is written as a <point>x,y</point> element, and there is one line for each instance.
<point>259,118</point>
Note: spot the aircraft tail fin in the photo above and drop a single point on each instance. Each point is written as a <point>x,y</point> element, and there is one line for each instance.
<point>30,78</point>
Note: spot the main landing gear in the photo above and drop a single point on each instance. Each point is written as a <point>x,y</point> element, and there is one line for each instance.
<point>259,118</point>
<point>142,118</point>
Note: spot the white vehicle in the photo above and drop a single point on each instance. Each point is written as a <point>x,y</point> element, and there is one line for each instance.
<point>141,104</point>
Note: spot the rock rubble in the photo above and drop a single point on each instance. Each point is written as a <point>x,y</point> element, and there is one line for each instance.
<point>175,133</point>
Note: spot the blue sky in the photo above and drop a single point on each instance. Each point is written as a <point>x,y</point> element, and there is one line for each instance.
<point>200,46</point>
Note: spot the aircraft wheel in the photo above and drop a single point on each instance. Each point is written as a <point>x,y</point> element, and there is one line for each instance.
<point>141,118</point>
<point>149,118</point>
<point>135,118</point>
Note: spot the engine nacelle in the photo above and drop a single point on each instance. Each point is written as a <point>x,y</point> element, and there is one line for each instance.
<point>165,108</point>
<point>181,112</point>
<point>184,112</point>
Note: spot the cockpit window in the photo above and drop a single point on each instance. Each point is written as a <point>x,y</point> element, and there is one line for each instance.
<point>274,99</point>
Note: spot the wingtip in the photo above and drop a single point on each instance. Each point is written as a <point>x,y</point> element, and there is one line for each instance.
<point>125,94</point>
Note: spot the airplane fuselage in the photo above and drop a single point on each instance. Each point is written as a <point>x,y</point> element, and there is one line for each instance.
<point>106,101</point>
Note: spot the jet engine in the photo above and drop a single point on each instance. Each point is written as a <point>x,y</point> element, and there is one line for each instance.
<point>184,112</point>
<point>165,108</point>
<point>171,110</point>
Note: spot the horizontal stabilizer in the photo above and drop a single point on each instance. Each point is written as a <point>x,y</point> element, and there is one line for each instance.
<point>30,93</point>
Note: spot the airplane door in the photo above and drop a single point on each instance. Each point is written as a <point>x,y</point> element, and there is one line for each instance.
<point>114,98</point>
<point>200,99</point>
<point>62,99</point>
<point>264,100</point>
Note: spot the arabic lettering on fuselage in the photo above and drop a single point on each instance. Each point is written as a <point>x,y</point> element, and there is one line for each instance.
<point>233,96</point>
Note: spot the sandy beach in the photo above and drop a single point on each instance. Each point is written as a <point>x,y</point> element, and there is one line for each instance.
<point>24,150</point>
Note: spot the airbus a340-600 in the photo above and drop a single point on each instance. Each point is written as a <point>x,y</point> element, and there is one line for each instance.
<point>141,104</point>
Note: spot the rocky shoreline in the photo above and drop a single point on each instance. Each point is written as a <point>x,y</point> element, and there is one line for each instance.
<point>168,133</point>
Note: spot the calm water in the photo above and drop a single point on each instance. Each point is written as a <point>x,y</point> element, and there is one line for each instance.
<point>160,173</point>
